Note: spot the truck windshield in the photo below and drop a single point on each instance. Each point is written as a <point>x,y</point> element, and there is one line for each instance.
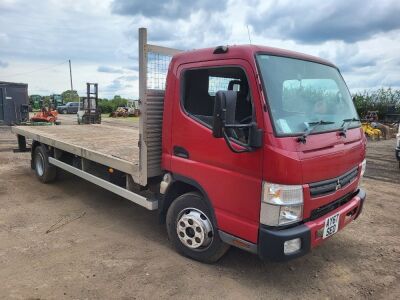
<point>301,93</point>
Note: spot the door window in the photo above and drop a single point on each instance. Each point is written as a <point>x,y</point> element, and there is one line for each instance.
<point>200,87</point>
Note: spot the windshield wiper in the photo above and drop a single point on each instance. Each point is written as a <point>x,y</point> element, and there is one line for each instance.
<point>311,127</point>
<point>346,124</point>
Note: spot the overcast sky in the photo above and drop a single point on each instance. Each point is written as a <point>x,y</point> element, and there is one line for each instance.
<point>100,37</point>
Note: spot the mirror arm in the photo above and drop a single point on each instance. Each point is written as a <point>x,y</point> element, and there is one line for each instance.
<point>228,142</point>
<point>238,125</point>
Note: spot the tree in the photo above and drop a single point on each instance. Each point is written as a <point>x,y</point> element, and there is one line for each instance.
<point>70,96</point>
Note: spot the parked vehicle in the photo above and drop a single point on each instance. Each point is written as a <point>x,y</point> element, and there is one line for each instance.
<point>250,146</point>
<point>56,100</point>
<point>36,102</point>
<point>90,112</point>
<point>69,108</point>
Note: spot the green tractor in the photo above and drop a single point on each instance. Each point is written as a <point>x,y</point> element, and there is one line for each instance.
<point>36,102</point>
<point>56,100</point>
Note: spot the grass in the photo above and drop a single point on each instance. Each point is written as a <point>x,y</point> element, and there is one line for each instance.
<point>128,119</point>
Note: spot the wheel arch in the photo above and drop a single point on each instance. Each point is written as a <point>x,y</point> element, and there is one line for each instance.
<point>181,185</point>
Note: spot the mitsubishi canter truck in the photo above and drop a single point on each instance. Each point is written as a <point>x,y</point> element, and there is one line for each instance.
<point>250,146</point>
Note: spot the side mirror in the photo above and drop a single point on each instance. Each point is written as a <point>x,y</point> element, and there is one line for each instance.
<point>224,111</point>
<point>224,122</point>
<point>255,136</point>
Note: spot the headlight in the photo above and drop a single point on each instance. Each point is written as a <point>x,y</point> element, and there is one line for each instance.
<point>281,204</point>
<point>363,167</point>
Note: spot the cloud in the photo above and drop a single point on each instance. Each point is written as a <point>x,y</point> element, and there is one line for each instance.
<point>361,37</point>
<point>114,86</point>
<point>3,38</point>
<point>106,69</point>
<point>171,9</point>
<point>128,77</point>
<point>3,64</point>
<point>319,21</point>
<point>349,58</point>
<point>134,67</point>
<point>202,29</point>
<point>124,85</point>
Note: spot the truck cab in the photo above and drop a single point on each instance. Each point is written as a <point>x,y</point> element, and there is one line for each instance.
<point>272,141</point>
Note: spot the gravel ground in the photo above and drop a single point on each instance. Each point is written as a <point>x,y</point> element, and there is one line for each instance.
<point>73,240</point>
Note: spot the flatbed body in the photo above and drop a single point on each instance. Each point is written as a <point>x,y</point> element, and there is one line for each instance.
<point>112,146</point>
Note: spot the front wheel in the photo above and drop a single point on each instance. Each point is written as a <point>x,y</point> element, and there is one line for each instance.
<point>64,111</point>
<point>191,230</point>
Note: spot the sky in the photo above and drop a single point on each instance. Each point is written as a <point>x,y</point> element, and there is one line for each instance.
<point>37,38</point>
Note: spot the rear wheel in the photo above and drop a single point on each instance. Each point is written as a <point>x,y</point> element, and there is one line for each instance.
<point>44,171</point>
<point>191,230</point>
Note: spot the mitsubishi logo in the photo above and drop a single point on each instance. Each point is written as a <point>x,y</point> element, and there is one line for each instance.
<point>338,185</point>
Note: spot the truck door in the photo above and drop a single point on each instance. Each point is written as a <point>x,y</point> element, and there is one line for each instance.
<point>231,181</point>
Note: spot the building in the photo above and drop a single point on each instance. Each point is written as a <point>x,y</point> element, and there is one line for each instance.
<point>14,102</point>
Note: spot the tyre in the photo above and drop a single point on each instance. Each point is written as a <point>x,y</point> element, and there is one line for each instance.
<point>64,111</point>
<point>44,171</point>
<point>191,229</point>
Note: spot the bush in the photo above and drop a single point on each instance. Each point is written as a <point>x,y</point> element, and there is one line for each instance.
<point>384,100</point>
<point>108,106</point>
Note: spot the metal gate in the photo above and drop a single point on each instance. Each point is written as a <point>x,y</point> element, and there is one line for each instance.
<point>153,68</point>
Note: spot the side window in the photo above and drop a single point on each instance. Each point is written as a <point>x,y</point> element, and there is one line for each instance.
<point>216,84</point>
<point>200,87</point>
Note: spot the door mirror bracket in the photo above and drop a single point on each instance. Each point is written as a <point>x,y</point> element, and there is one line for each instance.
<point>224,119</point>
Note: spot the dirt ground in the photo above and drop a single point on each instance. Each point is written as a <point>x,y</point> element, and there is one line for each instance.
<point>73,240</point>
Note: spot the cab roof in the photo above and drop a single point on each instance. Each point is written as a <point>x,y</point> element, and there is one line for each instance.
<point>243,52</point>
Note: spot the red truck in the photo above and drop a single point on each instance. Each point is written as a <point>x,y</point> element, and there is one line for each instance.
<point>250,146</point>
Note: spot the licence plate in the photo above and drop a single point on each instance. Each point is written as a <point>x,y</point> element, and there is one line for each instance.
<point>331,225</point>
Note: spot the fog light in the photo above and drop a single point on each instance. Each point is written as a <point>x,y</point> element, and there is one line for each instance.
<point>292,246</point>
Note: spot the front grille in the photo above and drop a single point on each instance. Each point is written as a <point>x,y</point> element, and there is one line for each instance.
<point>323,210</point>
<point>329,186</point>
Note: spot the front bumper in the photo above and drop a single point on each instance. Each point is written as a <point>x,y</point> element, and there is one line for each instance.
<point>271,242</point>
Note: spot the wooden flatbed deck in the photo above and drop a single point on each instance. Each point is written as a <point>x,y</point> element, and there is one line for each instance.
<point>112,146</point>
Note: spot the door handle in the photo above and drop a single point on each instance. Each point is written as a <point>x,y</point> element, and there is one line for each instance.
<point>181,152</point>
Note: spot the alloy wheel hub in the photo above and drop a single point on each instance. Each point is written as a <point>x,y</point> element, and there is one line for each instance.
<point>194,228</point>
